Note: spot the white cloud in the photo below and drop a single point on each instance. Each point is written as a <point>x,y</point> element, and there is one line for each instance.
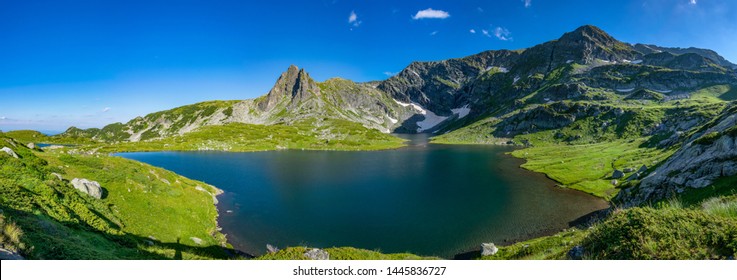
<point>353,19</point>
<point>480,9</point>
<point>433,33</point>
<point>106,109</point>
<point>389,73</point>
<point>502,33</point>
<point>473,31</point>
<point>3,118</point>
<point>692,2</point>
<point>430,13</point>
<point>485,32</point>
<point>528,3</point>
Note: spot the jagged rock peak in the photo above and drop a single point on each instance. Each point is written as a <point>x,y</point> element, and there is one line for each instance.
<point>293,85</point>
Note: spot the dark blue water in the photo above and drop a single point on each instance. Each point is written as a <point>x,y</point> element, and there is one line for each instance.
<point>426,199</point>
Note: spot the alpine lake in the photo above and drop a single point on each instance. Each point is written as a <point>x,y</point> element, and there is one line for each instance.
<point>426,199</point>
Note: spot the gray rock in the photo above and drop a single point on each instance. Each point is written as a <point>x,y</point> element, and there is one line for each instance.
<point>31,146</point>
<point>576,253</point>
<point>196,240</point>
<point>57,175</point>
<point>9,255</point>
<point>628,170</point>
<point>488,249</point>
<point>317,254</point>
<point>271,248</point>
<point>91,188</point>
<point>642,169</point>
<point>9,152</point>
<point>617,174</point>
<point>615,182</point>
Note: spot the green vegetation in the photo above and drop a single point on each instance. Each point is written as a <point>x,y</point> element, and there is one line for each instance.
<point>589,167</point>
<point>665,233</point>
<point>145,212</point>
<point>313,134</point>
<point>553,247</point>
<point>341,253</point>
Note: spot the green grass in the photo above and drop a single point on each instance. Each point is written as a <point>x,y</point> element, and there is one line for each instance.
<point>140,216</point>
<point>588,167</point>
<point>341,253</point>
<point>554,247</point>
<point>310,134</point>
<point>666,233</point>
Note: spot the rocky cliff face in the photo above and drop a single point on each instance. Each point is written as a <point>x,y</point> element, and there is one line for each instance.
<point>706,156</point>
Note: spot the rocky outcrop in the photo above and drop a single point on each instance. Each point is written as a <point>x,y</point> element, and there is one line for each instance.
<point>317,254</point>
<point>91,188</point>
<point>9,255</point>
<point>292,87</point>
<point>9,151</point>
<point>437,85</point>
<point>707,156</point>
<point>711,55</point>
<point>488,249</point>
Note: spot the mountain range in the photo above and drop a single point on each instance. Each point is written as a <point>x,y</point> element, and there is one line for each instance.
<point>585,87</point>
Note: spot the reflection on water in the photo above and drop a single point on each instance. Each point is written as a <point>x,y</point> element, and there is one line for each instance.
<point>427,199</point>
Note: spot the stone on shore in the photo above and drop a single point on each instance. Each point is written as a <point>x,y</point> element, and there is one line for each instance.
<point>488,249</point>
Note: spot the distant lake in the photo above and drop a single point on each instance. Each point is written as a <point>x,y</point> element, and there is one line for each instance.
<point>425,199</point>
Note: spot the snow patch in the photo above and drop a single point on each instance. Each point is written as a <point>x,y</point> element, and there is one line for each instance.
<point>431,120</point>
<point>414,106</point>
<point>662,91</point>
<point>461,112</point>
<point>392,119</point>
<point>413,72</point>
<point>503,69</point>
<point>515,80</point>
<point>625,89</point>
<point>569,61</point>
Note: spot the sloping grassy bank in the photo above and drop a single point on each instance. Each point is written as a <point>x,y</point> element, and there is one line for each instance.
<point>145,212</point>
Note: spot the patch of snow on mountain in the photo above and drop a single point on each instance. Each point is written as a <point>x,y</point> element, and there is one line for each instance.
<point>431,120</point>
<point>461,112</point>
<point>625,89</point>
<point>414,106</point>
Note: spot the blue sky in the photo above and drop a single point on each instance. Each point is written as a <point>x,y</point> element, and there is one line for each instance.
<point>89,63</point>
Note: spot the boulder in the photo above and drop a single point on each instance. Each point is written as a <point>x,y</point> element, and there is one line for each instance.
<point>628,170</point>
<point>488,249</point>
<point>642,169</point>
<point>91,188</point>
<point>57,175</point>
<point>317,254</point>
<point>615,182</point>
<point>617,174</point>
<point>31,146</point>
<point>9,152</point>
<point>271,248</point>
<point>576,253</point>
<point>196,240</point>
<point>9,255</point>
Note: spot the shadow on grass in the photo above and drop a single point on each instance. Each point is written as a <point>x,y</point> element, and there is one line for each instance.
<point>48,238</point>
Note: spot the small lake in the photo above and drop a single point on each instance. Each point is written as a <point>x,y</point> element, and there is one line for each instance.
<point>426,199</point>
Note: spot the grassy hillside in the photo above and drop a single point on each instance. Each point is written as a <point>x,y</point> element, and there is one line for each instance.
<point>312,134</point>
<point>341,253</point>
<point>145,212</point>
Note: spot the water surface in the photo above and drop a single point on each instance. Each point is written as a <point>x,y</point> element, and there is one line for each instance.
<point>426,199</point>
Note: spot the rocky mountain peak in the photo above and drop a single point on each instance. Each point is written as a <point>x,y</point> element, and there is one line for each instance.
<point>293,86</point>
